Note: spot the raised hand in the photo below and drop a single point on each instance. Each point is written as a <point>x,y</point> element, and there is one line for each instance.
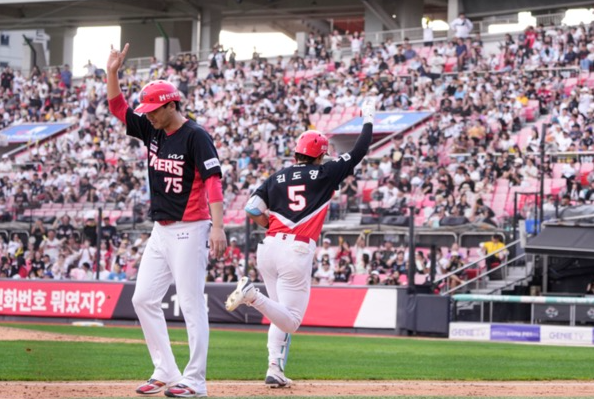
<point>368,110</point>
<point>116,59</point>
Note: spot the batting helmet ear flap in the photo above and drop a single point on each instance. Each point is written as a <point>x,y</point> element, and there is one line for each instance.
<point>312,143</point>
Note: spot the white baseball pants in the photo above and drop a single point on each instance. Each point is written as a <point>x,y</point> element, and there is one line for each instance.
<point>285,265</point>
<point>175,253</point>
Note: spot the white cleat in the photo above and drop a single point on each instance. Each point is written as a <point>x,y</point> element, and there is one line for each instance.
<point>245,293</point>
<point>275,378</point>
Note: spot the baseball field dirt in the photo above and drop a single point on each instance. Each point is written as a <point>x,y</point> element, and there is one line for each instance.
<point>437,389</point>
<point>123,389</point>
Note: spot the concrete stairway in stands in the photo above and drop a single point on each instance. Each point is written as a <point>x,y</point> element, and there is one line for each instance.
<point>516,275</point>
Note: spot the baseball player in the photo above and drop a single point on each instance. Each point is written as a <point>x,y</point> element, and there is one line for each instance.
<point>292,205</point>
<point>184,177</point>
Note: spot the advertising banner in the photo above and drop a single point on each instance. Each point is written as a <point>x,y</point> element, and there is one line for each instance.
<point>88,300</point>
<point>544,334</point>
<point>470,331</point>
<point>384,122</point>
<point>328,306</point>
<point>564,335</point>
<point>31,132</point>
<point>515,332</point>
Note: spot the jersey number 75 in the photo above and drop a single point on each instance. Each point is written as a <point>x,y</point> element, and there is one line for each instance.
<point>175,183</point>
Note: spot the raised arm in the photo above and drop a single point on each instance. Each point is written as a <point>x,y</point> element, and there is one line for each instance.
<point>362,145</point>
<point>114,63</point>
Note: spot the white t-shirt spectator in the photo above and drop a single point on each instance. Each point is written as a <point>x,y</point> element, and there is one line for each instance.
<point>51,248</point>
<point>389,196</point>
<point>325,275</point>
<point>356,43</point>
<point>462,27</point>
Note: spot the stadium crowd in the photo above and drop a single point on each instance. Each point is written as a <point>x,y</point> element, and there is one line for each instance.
<point>255,110</point>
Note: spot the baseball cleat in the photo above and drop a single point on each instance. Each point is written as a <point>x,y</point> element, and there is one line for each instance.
<point>150,387</point>
<point>183,391</point>
<point>245,293</point>
<point>275,378</point>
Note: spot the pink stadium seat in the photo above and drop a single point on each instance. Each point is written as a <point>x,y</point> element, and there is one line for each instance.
<point>321,125</point>
<point>352,110</point>
<point>586,168</point>
<point>359,279</point>
<point>557,170</point>
<point>332,125</point>
<point>240,218</point>
<point>450,64</point>
<point>424,51</point>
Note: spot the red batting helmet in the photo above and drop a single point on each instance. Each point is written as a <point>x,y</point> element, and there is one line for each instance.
<point>312,143</point>
<point>155,94</point>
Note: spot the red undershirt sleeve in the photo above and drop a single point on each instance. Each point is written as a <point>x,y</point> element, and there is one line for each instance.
<point>214,189</point>
<point>118,107</point>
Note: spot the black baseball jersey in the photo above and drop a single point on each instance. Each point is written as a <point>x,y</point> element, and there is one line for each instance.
<point>298,197</point>
<point>178,165</point>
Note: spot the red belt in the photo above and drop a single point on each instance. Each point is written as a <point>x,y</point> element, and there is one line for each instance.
<point>298,237</point>
<point>166,222</point>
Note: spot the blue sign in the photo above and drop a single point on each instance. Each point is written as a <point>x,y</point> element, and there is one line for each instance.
<point>31,132</point>
<point>384,122</point>
<point>514,332</point>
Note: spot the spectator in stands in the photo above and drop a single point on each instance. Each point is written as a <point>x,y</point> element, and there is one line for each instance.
<point>374,278</point>
<point>15,246</point>
<point>90,230</point>
<point>345,252</point>
<point>453,265</point>
<point>229,274</point>
<point>494,248</point>
<point>8,269</point>
<point>324,275</point>
<point>64,230</point>
<point>232,251</point>
<point>377,263</point>
<point>387,195</point>
<point>356,40</point>
<point>461,26</point>
<point>343,271</point>
<point>117,274</point>
<point>37,232</point>
<point>398,263</point>
<point>350,189</point>
<point>326,250</point>
<point>50,245</point>
<point>108,231</point>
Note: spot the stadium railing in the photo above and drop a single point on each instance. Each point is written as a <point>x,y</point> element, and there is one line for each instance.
<point>532,300</point>
<point>482,271</point>
<point>415,35</point>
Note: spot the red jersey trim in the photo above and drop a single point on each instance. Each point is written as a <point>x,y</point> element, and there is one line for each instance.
<point>310,226</point>
<point>118,107</point>
<point>196,207</point>
<point>214,188</point>
<point>176,130</point>
<point>290,224</point>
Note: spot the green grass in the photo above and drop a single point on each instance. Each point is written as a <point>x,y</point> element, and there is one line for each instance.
<point>242,356</point>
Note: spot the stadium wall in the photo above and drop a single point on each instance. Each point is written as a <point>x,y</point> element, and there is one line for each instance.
<point>346,307</point>
<point>527,333</point>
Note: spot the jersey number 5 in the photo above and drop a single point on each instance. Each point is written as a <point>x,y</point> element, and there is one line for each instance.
<point>298,201</point>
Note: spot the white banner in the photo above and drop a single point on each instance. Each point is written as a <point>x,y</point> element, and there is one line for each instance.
<point>470,331</point>
<point>563,335</point>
